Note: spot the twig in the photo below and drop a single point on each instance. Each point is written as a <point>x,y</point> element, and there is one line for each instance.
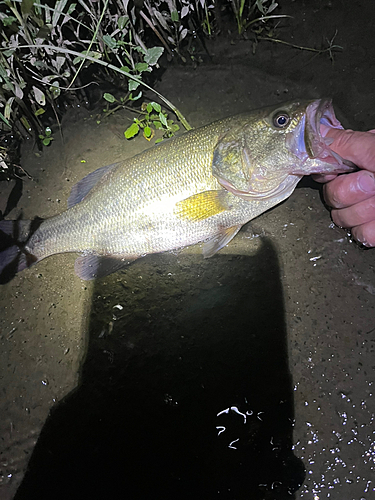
<point>66,88</point>
<point>310,49</point>
<point>148,21</point>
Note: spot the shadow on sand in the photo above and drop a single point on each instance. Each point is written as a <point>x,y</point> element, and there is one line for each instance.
<point>186,346</point>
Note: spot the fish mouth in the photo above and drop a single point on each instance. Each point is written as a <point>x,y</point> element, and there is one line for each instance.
<point>310,143</point>
<point>319,119</point>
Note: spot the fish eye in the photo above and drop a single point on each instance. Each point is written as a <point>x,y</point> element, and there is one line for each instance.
<point>281,119</point>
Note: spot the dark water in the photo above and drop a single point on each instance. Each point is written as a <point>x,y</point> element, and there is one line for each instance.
<point>185,347</point>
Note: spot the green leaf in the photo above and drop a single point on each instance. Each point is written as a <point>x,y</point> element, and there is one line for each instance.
<point>109,41</point>
<point>39,112</point>
<point>156,107</point>
<point>157,125</point>
<point>43,32</point>
<point>147,131</point>
<point>131,131</point>
<point>163,119</point>
<point>3,73</point>
<point>174,16</point>
<point>153,55</point>
<point>131,98</point>
<point>149,107</point>
<point>133,85</point>
<point>7,21</point>
<point>8,53</point>
<point>8,110</point>
<point>122,22</point>
<point>109,97</point>
<point>125,68</point>
<point>48,131</point>
<point>141,67</point>
<point>26,6</point>
<point>71,8</point>
<point>158,140</point>
<point>55,90</point>
<point>9,86</point>
<point>5,120</point>
<point>26,124</point>
<point>41,64</point>
<point>47,140</point>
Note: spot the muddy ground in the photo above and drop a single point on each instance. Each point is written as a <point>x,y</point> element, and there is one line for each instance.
<point>120,388</point>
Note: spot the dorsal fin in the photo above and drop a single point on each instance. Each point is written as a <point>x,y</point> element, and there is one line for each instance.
<point>84,186</point>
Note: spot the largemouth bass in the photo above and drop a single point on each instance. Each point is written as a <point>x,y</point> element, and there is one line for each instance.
<point>202,186</point>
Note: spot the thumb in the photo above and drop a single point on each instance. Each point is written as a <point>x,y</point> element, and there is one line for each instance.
<point>358,147</point>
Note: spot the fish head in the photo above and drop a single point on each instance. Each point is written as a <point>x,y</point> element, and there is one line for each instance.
<point>274,147</point>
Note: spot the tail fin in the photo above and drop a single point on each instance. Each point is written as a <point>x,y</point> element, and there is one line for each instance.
<point>14,235</point>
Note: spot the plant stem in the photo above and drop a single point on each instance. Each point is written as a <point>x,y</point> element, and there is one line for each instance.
<point>207,19</point>
<point>92,41</point>
<point>310,49</point>
<point>264,18</point>
<point>148,21</point>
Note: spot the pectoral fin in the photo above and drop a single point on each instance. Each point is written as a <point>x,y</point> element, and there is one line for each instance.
<point>202,205</point>
<point>219,241</point>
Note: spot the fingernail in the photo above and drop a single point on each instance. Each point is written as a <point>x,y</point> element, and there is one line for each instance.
<point>366,182</point>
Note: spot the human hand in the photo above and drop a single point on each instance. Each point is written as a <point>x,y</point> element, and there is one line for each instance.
<point>352,196</point>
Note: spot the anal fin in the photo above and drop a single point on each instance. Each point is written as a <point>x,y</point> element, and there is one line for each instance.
<point>219,240</point>
<point>89,267</point>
